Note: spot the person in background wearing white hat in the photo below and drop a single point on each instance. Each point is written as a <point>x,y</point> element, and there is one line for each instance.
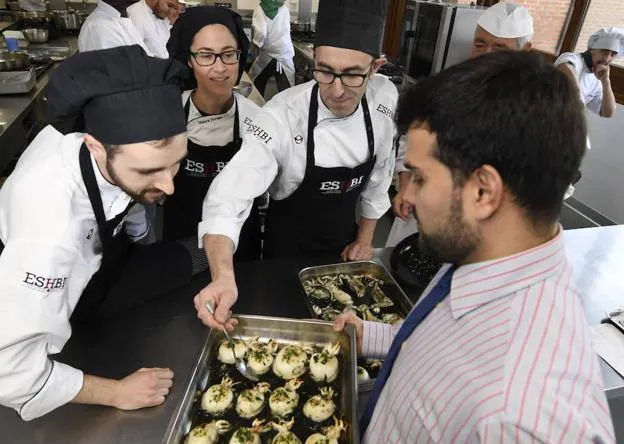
<point>504,26</point>
<point>590,70</point>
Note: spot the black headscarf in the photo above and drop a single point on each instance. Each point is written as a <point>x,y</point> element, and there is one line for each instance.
<point>192,21</point>
<point>118,95</point>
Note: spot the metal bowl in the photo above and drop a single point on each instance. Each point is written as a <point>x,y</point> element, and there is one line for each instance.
<point>36,35</point>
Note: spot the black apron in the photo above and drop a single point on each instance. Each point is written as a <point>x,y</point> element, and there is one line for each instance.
<point>115,242</point>
<point>183,210</point>
<point>319,217</point>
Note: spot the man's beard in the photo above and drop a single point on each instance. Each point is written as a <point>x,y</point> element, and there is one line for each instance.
<point>454,241</point>
<point>137,196</point>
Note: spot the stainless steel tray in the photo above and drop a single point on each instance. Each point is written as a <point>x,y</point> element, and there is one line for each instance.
<point>376,269</point>
<point>284,331</point>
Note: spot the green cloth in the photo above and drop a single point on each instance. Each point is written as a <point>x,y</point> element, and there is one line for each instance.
<point>270,7</point>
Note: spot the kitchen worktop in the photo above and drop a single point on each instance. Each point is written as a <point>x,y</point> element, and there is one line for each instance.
<point>166,333</point>
<point>17,107</point>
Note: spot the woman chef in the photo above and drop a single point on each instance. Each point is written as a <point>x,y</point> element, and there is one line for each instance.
<point>63,250</point>
<point>271,35</point>
<point>590,70</point>
<point>321,149</point>
<point>211,40</point>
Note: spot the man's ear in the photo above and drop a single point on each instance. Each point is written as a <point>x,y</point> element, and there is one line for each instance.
<point>95,147</point>
<point>378,63</point>
<point>528,46</point>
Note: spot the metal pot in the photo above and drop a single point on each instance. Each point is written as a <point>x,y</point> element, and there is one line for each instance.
<point>13,5</point>
<point>31,18</point>
<point>300,26</point>
<point>67,20</point>
<point>14,61</point>
<point>34,35</point>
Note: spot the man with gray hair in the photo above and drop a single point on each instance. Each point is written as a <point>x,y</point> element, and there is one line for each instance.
<point>503,26</point>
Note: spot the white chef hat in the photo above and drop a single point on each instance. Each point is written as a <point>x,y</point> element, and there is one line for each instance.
<point>608,38</point>
<point>507,20</point>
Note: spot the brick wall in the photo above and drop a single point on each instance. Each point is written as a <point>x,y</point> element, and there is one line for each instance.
<point>601,14</point>
<point>549,16</point>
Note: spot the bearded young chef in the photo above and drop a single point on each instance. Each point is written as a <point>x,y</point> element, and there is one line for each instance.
<point>590,70</point>
<point>319,148</point>
<point>501,27</point>
<point>150,19</point>
<point>271,35</point>
<point>212,41</point>
<point>108,26</point>
<point>62,214</point>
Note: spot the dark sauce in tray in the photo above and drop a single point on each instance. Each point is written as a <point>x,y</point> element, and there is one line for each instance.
<point>388,290</point>
<point>303,426</point>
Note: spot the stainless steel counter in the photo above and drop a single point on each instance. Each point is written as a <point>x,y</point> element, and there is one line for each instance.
<point>166,333</point>
<point>17,111</point>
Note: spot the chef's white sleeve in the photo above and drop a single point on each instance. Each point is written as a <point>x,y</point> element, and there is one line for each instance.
<point>247,176</point>
<point>259,24</point>
<point>375,200</point>
<point>399,166</point>
<point>34,323</point>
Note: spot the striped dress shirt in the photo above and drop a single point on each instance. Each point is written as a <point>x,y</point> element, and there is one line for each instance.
<point>505,358</point>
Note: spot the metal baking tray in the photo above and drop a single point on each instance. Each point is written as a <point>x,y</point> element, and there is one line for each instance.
<point>376,269</point>
<point>284,331</point>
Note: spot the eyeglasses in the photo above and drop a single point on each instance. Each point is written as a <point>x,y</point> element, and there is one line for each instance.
<point>326,77</point>
<point>205,58</point>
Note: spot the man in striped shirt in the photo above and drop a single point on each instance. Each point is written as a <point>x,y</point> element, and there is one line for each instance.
<point>506,356</point>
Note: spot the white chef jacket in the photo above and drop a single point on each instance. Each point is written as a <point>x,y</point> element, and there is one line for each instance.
<point>590,86</point>
<point>272,37</point>
<point>273,155</point>
<point>154,31</point>
<point>218,130</point>
<point>105,28</point>
<point>52,249</point>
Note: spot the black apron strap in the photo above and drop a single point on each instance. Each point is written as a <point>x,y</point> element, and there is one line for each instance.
<point>236,123</point>
<point>86,168</point>
<point>312,121</point>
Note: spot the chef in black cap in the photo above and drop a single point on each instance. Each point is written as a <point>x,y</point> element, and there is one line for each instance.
<point>118,136</point>
<point>320,149</point>
<point>212,42</point>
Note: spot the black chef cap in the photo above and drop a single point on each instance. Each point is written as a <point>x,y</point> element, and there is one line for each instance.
<point>192,21</point>
<point>118,95</point>
<point>351,24</point>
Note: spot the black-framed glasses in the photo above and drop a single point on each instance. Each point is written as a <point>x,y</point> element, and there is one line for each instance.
<point>205,58</point>
<point>326,77</point>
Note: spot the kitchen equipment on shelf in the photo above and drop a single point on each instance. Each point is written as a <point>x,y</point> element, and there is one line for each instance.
<point>14,61</point>
<point>17,82</point>
<point>68,20</point>
<point>36,35</point>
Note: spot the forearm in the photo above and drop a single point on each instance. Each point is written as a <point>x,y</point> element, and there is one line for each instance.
<point>97,391</point>
<point>220,252</point>
<point>366,230</point>
<point>608,100</point>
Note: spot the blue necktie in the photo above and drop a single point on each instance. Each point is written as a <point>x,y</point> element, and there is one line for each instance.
<point>417,315</point>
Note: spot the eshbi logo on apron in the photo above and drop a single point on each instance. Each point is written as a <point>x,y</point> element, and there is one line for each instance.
<point>203,163</point>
